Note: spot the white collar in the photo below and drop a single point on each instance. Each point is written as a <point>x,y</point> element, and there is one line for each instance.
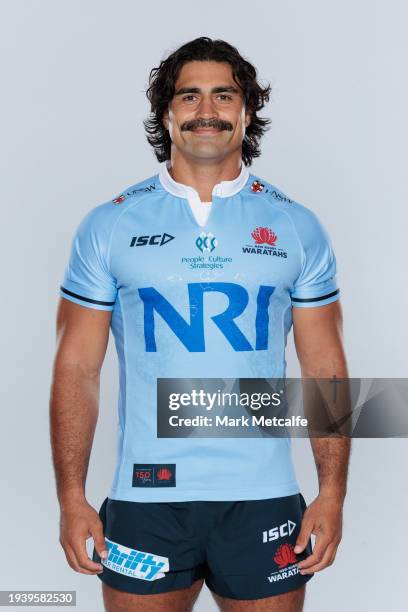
<point>222,190</point>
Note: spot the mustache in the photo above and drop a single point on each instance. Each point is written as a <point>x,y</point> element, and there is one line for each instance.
<point>219,124</point>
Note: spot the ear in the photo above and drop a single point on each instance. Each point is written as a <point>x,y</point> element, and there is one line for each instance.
<point>166,119</point>
<point>247,118</point>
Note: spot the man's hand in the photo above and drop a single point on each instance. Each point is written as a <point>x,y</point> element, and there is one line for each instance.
<point>78,523</point>
<point>323,518</point>
<point>82,338</point>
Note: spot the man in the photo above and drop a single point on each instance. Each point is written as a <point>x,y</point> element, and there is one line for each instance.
<point>188,509</point>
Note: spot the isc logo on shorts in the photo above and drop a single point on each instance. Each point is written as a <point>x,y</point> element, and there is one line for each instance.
<point>278,532</point>
<point>134,563</point>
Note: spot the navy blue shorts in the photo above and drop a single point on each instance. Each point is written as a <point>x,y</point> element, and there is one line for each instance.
<point>243,549</point>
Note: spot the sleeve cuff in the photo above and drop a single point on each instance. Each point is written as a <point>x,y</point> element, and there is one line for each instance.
<point>84,300</point>
<point>321,300</point>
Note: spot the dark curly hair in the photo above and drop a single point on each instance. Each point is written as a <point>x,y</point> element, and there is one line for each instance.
<point>161,90</point>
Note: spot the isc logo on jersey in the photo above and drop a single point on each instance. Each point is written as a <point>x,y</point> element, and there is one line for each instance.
<point>286,529</point>
<point>155,240</point>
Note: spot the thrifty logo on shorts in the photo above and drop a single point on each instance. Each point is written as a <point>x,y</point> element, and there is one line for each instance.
<point>154,475</point>
<point>134,563</point>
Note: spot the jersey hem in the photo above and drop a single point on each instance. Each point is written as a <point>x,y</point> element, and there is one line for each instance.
<point>169,495</point>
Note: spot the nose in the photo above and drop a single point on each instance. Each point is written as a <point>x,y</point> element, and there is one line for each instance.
<point>206,108</point>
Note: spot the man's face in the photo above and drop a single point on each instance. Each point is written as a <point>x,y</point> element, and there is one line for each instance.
<point>206,118</point>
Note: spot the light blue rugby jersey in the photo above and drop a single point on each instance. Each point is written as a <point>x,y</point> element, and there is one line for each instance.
<point>192,301</point>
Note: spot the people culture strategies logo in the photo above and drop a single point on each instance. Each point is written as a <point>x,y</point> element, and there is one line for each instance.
<point>286,561</point>
<point>206,243</point>
<point>265,240</point>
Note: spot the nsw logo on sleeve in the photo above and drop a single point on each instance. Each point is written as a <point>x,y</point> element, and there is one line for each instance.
<point>258,187</point>
<point>134,563</point>
<point>154,475</point>
<point>130,192</point>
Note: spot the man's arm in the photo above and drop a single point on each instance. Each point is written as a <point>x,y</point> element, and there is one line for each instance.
<point>319,345</point>
<point>82,339</point>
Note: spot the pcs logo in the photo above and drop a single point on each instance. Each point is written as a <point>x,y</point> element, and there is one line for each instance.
<point>206,242</point>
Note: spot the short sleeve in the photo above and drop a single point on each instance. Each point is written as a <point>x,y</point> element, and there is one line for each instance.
<point>87,279</point>
<point>316,284</point>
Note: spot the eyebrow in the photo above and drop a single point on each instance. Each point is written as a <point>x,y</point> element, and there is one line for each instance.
<point>219,89</point>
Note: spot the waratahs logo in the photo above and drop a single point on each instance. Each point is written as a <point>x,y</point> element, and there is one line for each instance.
<point>264,235</point>
<point>164,474</point>
<point>265,243</point>
<point>206,242</point>
<point>286,561</point>
<point>285,555</point>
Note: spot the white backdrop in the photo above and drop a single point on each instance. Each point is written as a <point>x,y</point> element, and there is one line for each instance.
<point>73,76</point>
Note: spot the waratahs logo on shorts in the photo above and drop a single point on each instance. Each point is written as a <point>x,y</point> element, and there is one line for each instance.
<point>285,555</point>
<point>265,240</point>
<point>206,242</point>
<point>286,561</point>
<point>135,563</point>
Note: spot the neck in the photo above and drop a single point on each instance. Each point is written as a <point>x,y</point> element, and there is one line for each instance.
<point>204,175</point>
